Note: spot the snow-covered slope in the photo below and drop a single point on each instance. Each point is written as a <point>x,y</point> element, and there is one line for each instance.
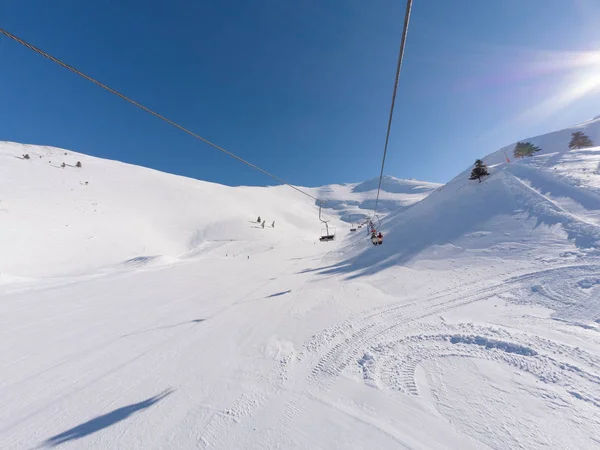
<point>69,220</point>
<point>355,202</point>
<point>550,201</point>
<point>74,220</point>
<point>474,326</point>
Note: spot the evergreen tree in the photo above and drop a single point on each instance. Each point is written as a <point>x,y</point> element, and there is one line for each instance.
<point>525,149</point>
<point>580,140</point>
<point>258,220</point>
<point>26,156</point>
<point>63,165</point>
<point>480,170</point>
<point>78,164</point>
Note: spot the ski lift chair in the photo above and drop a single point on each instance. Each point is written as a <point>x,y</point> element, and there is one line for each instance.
<point>327,233</point>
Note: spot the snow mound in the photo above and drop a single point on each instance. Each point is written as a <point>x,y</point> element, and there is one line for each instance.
<point>549,202</point>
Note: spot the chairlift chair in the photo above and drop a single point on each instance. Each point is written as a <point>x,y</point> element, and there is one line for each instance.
<point>376,238</point>
<point>327,233</point>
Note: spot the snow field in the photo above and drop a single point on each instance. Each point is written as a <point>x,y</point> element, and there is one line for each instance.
<point>164,316</point>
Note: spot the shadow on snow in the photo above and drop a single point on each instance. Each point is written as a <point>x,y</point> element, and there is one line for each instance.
<point>279,293</point>
<point>104,421</point>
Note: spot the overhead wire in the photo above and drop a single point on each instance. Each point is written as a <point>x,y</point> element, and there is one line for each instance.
<point>398,68</point>
<point>148,110</point>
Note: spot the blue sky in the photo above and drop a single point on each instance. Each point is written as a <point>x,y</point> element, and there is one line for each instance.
<point>300,88</point>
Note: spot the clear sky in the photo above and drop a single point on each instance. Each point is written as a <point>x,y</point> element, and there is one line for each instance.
<point>301,88</point>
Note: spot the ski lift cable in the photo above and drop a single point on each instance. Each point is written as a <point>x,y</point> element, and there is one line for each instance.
<point>148,110</point>
<point>389,127</point>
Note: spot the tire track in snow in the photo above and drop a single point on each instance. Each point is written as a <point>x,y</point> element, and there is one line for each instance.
<point>386,321</point>
<point>346,341</point>
<point>398,359</point>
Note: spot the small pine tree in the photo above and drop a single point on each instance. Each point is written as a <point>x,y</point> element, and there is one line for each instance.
<point>480,170</point>
<point>26,156</point>
<point>63,165</point>
<point>258,220</point>
<point>580,140</point>
<point>78,164</point>
<point>523,149</point>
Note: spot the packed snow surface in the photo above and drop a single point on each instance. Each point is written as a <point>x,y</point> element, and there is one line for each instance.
<point>144,310</point>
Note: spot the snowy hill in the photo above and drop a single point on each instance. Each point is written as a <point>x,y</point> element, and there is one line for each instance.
<point>144,310</point>
<point>74,220</point>
<point>544,206</point>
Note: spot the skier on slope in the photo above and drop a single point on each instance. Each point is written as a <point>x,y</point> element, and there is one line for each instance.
<point>380,238</point>
<point>263,224</point>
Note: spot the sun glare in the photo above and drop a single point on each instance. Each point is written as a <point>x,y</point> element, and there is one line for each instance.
<point>580,77</point>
